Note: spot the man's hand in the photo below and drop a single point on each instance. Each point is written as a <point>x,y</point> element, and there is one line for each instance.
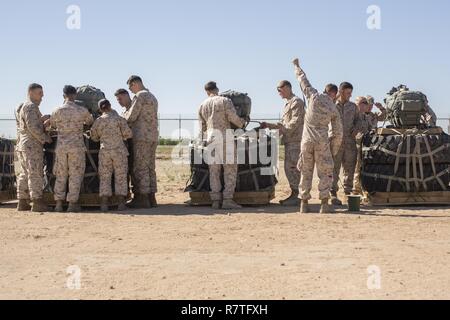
<point>47,123</point>
<point>45,118</point>
<point>296,62</point>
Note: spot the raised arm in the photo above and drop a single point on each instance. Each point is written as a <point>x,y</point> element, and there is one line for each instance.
<point>308,90</point>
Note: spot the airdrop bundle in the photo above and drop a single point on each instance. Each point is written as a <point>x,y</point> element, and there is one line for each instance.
<point>408,162</point>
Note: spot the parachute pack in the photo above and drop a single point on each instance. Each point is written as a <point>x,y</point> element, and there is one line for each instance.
<point>405,108</point>
<point>88,97</point>
<point>241,102</point>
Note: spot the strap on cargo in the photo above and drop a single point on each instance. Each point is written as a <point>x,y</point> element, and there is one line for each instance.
<point>397,163</point>
<point>392,153</point>
<point>433,166</point>
<point>399,179</point>
<point>408,159</point>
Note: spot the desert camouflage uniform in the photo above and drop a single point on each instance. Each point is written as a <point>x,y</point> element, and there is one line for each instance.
<point>318,145</point>
<point>111,130</point>
<point>30,151</point>
<point>142,117</point>
<point>216,114</point>
<point>70,161</point>
<point>292,130</point>
<point>353,123</point>
<point>371,120</point>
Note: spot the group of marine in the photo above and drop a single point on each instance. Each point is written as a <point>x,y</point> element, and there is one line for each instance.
<point>326,135</point>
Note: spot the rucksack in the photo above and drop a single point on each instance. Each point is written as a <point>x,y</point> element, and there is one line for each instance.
<point>88,97</point>
<point>241,102</point>
<point>405,108</point>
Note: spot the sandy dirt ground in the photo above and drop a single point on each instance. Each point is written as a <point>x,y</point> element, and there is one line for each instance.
<point>180,252</point>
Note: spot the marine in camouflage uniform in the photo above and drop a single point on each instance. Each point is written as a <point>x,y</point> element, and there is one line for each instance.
<point>291,130</point>
<point>70,160</point>
<point>30,152</point>
<point>318,145</point>
<point>353,123</point>
<point>216,114</point>
<point>372,119</point>
<point>142,117</point>
<point>112,130</point>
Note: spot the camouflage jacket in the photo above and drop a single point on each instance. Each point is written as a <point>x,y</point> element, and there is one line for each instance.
<point>142,117</point>
<point>353,121</point>
<point>30,128</point>
<point>69,121</point>
<point>293,120</point>
<point>321,112</point>
<point>111,130</point>
<point>216,114</point>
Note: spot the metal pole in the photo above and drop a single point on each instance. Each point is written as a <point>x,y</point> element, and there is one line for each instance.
<point>179,127</point>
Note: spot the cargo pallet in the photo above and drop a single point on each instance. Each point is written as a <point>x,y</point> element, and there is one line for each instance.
<point>411,198</point>
<point>6,196</point>
<point>255,198</point>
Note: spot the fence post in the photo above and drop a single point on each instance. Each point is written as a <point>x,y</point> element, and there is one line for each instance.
<point>179,127</point>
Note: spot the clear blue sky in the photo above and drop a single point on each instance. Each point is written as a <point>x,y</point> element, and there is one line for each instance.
<point>176,46</point>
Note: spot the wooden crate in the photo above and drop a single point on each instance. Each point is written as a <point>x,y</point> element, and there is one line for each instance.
<point>86,200</point>
<point>256,198</point>
<point>403,198</point>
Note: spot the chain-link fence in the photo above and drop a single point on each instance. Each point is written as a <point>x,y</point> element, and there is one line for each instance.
<point>179,127</point>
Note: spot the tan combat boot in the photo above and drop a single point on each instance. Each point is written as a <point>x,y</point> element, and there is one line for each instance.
<point>104,204</point>
<point>121,206</point>
<point>152,199</point>
<point>59,206</point>
<point>140,201</point>
<point>292,200</point>
<point>230,205</point>
<point>335,201</point>
<point>39,205</point>
<point>325,207</point>
<point>215,205</point>
<point>304,208</point>
<point>23,205</point>
<point>74,207</point>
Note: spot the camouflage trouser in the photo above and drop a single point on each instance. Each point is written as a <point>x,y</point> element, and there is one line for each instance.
<point>229,178</point>
<point>357,180</point>
<point>345,158</point>
<point>229,172</point>
<point>69,165</point>
<point>109,162</point>
<point>319,155</point>
<point>144,168</point>
<point>291,158</point>
<point>30,181</point>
